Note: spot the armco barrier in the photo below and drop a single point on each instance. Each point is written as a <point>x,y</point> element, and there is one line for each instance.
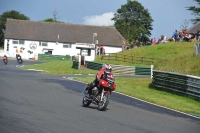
<point>142,70</point>
<point>53,57</point>
<point>93,65</point>
<point>119,69</point>
<point>177,83</point>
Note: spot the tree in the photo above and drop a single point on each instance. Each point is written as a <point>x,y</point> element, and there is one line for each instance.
<point>184,25</point>
<point>49,20</point>
<point>195,11</point>
<point>133,21</point>
<point>3,18</point>
<point>54,19</point>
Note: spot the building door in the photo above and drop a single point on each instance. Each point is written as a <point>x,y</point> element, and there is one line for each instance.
<point>82,60</point>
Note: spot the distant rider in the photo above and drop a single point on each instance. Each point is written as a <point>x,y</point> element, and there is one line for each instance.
<point>5,57</point>
<point>18,56</point>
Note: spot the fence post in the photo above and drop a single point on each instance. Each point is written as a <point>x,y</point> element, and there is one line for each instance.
<point>196,47</point>
<point>79,62</point>
<point>124,58</point>
<point>132,58</point>
<point>151,71</point>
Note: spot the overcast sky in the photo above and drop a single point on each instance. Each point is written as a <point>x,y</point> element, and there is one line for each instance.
<point>168,15</point>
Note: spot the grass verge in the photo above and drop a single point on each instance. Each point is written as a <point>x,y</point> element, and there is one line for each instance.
<point>59,67</point>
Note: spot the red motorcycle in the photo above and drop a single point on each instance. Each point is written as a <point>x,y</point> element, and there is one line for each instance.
<point>100,95</point>
<point>5,60</point>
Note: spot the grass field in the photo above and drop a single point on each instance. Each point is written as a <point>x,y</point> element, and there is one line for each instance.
<point>173,57</point>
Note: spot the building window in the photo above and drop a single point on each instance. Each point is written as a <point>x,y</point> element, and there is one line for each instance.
<point>66,45</point>
<point>45,44</point>
<point>18,42</point>
<point>21,41</point>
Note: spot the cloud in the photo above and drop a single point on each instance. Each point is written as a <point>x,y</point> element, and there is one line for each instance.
<point>100,20</point>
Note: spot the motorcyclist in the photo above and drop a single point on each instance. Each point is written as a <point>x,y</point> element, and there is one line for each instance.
<point>18,56</point>
<point>5,57</point>
<point>106,70</point>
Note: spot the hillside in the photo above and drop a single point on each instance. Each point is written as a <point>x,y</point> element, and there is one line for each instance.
<point>173,57</point>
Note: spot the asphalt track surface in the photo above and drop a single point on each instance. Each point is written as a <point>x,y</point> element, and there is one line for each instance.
<point>32,102</point>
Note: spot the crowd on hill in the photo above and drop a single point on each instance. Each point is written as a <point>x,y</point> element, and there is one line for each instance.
<point>177,36</point>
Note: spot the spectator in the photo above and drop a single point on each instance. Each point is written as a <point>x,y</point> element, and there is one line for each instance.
<point>180,35</point>
<point>170,39</point>
<point>101,49</point>
<point>198,35</point>
<point>151,41</point>
<point>123,45</point>
<point>175,35</point>
<point>132,45</point>
<point>154,41</point>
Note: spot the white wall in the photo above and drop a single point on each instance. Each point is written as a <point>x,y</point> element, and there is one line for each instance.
<point>112,49</point>
<point>57,49</point>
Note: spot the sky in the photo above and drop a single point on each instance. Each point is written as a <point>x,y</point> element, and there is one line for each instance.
<point>168,15</point>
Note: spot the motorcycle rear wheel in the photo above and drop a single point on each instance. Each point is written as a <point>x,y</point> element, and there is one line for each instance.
<point>104,103</point>
<point>86,102</point>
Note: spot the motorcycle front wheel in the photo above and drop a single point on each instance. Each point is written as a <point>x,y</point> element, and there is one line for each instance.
<point>86,102</point>
<point>5,62</point>
<point>104,103</point>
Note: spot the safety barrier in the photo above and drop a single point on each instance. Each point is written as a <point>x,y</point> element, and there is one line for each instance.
<point>53,57</point>
<point>177,83</point>
<point>119,69</point>
<point>93,65</point>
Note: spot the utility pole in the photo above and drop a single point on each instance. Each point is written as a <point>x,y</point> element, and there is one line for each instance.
<point>55,16</point>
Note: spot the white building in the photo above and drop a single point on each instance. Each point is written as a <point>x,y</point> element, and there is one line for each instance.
<point>30,38</point>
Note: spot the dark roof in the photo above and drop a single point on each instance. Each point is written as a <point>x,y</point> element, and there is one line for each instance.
<point>194,28</point>
<point>68,33</point>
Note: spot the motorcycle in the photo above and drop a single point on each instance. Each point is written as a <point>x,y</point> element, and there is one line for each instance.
<point>5,60</point>
<point>19,59</point>
<point>100,95</point>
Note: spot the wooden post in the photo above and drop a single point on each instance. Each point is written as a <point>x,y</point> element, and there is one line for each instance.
<point>132,59</point>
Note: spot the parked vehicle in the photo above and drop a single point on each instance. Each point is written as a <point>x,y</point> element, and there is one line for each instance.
<point>100,95</point>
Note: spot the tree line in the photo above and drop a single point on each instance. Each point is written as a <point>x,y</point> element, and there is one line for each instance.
<point>132,20</point>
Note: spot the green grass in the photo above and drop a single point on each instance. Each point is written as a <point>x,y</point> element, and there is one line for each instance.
<point>59,67</point>
<point>172,57</point>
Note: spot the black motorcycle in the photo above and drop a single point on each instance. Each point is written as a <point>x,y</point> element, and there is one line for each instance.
<point>19,59</point>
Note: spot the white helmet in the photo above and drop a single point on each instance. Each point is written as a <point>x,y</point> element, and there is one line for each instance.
<point>107,68</point>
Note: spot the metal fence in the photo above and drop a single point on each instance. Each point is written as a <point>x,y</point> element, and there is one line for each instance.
<point>177,83</point>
